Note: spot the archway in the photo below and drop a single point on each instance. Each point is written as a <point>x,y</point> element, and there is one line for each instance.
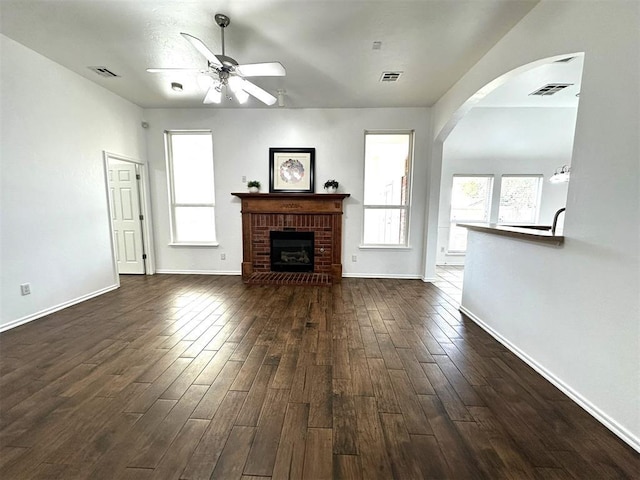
<point>504,121</point>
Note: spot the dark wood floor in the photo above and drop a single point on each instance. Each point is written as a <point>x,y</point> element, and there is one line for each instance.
<point>204,377</point>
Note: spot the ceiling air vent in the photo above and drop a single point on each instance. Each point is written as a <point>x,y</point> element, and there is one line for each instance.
<point>390,76</point>
<point>551,88</point>
<point>103,72</point>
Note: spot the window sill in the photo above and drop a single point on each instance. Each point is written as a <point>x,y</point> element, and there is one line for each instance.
<point>194,244</point>
<point>385,247</point>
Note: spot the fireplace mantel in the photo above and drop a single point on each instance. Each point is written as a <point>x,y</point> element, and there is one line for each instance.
<point>320,213</point>
<point>304,203</point>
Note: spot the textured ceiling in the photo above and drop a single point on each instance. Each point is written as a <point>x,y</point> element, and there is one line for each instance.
<point>326,46</point>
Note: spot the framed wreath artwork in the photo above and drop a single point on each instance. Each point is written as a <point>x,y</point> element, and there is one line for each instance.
<point>291,170</point>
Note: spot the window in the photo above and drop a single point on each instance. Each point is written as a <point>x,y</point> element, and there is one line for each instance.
<point>387,166</point>
<point>519,199</point>
<point>470,203</point>
<point>191,187</point>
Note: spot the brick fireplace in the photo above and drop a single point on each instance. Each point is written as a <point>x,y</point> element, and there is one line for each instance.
<point>291,212</point>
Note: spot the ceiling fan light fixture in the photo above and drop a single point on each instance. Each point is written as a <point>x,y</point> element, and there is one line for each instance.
<point>235,83</point>
<point>214,95</point>
<point>224,77</point>
<point>236,86</point>
<point>241,96</point>
<point>561,175</point>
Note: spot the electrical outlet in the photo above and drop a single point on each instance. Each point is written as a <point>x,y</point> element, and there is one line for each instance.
<point>244,179</point>
<point>25,289</point>
<point>223,256</point>
<point>354,258</point>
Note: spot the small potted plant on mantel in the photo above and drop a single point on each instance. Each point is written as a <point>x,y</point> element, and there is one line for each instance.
<point>331,186</point>
<point>254,186</point>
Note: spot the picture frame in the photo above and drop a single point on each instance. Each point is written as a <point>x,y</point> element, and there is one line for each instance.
<point>291,170</point>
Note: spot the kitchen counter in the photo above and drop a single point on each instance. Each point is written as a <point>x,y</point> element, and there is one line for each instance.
<point>531,233</point>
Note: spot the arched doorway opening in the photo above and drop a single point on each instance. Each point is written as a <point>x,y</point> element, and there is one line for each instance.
<point>493,159</point>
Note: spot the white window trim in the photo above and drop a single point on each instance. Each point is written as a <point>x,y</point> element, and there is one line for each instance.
<point>540,178</point>
<point>407,207</point>
<point>384,247</point>
<point>460,220</point>
<point>170,187</point>
<point>194,244</point>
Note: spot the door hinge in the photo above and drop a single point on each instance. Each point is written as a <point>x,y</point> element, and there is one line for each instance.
<point>141,217</point>
<point>137,176</point>
<point>144,256</point>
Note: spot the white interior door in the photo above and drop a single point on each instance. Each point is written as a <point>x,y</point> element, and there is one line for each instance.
<point>126,216</point>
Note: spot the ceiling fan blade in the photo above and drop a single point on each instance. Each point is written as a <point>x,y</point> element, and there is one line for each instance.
<point>268,69</point>
<point>259,93</point>
<point>174,70</point>
<point>214,94</point>
<point>202,48</point>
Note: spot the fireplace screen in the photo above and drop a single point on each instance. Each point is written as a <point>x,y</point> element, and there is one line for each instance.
<point>291,251</point>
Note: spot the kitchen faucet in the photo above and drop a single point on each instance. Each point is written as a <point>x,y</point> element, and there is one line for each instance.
<point>555,220</point>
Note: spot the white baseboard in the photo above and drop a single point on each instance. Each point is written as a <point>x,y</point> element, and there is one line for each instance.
<point>429,279</point>
<point>624,434</point>
<point>400,276</point>
<point>49,311</point>
<point>199,272</point>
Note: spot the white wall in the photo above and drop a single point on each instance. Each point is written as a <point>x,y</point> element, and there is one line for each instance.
<point>506,141</point>
<point>241,147</point>
<point>573,311</point>
<point>54,229</point>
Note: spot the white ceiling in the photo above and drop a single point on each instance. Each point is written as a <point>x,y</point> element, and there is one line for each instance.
<point>326,46</point>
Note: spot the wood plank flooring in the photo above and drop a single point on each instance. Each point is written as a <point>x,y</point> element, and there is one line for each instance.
<point>192,377</point>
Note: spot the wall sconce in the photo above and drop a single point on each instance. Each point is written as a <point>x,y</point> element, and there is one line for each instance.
<point>561,175</point>
<point>175,86</point>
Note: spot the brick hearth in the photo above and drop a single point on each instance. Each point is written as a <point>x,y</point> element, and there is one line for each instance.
<point>303,212</point>
<point>289,278</point>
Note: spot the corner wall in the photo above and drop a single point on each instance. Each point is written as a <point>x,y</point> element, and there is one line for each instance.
<point>573,311</point>
<point>54,221</point>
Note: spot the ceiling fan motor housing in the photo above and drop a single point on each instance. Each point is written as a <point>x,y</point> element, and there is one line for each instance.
<point>226,61</point>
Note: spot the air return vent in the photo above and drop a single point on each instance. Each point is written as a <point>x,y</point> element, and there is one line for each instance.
<point>550,89</point>
<point>390,76</point>
<point>103,72</point>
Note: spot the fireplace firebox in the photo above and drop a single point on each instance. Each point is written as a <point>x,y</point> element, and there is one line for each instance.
<point>291,251</point>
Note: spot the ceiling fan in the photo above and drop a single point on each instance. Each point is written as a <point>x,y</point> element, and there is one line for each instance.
<point>226,74</point>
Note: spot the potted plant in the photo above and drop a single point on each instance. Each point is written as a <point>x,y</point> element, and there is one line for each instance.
<point>331,186</point>
<point>254,186</point>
